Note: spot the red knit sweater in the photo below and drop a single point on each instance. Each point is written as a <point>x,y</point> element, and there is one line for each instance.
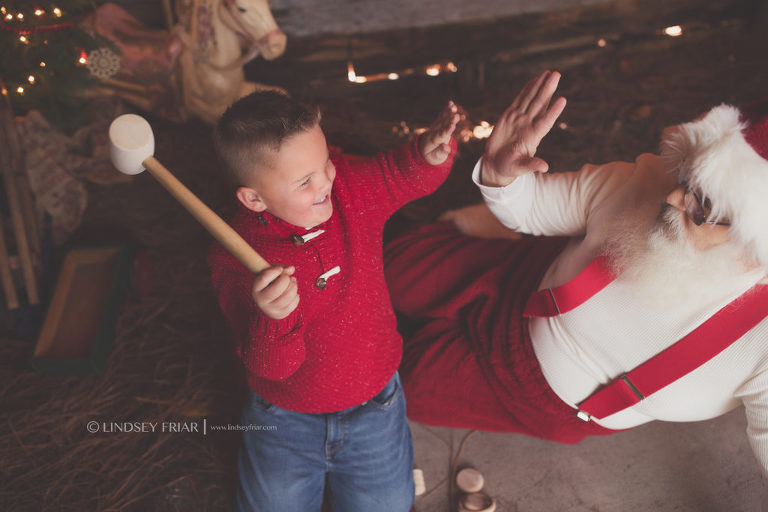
<point>340,346</point>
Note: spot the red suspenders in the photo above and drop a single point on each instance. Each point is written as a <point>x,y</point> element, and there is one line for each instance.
<point>699,346</point>
<point>574,293</point>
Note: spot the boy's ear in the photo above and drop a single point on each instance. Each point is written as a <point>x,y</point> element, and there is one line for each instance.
<point>250,199</point>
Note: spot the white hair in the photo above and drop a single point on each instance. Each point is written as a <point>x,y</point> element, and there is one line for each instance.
<point>713,156</point>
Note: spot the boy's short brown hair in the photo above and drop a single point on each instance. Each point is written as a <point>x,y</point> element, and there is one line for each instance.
<point>261,120</point>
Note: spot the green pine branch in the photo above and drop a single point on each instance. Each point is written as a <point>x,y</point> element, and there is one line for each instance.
<point>39,54</point>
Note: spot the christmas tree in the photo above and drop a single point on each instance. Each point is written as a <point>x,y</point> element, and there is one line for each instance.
<point>43,57</point>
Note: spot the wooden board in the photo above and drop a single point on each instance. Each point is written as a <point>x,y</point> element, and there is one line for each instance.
<point>530,33</point>
<point>79,326</point>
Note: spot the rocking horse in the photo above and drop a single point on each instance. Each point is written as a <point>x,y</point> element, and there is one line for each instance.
<point>196,69</point>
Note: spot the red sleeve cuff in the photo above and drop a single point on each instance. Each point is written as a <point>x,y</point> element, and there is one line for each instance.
<point>275,348</point>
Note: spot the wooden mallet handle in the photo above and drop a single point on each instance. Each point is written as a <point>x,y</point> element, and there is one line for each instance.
<point>220,230</point>
<point>132,145</point>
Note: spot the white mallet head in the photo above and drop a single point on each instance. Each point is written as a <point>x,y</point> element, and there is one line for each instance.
<point>131,141</point>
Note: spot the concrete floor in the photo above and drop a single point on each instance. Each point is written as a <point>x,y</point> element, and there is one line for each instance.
<point>661,467</point>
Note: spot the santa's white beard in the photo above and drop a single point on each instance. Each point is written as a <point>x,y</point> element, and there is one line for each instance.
<point>662,266</point>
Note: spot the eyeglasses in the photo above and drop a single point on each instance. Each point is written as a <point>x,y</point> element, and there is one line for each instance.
<point>697,210</point>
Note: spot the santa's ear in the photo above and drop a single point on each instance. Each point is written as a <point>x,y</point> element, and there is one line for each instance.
<point>251,199</point>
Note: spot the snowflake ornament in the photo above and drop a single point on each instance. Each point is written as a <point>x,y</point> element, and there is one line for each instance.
<point>103,63</point>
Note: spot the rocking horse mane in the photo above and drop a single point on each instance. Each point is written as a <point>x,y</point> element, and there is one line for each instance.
<point>195,26</point>
<point>198,21</point>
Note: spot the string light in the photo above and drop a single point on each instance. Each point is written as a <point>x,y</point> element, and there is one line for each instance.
<point>674,31</point>
<point>601,43</point>
<point>19,23</point>
<point>402,129</point>
<point>431,70</point>
<point>350,72</point>
<point>483,130</point>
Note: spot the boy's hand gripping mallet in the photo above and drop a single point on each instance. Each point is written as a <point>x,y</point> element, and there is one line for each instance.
<point>131,146</point>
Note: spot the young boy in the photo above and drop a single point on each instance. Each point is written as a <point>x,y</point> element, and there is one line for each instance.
<point>316,331</point>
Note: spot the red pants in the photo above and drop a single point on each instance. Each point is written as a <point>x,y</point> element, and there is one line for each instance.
<point>469,362</point>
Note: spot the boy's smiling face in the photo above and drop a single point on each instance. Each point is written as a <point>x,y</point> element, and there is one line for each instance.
<point>294,183</point>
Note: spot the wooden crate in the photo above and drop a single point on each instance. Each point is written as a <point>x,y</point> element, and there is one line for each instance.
<point>79,326</point>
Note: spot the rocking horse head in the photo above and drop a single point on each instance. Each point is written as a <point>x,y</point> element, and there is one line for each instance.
<point>253,21</point>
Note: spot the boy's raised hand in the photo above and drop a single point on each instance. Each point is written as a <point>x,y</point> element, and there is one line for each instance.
<point>275,291</point>
<point>434,144</point>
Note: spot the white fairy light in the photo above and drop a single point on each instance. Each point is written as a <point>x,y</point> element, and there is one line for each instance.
<point>483,130</point>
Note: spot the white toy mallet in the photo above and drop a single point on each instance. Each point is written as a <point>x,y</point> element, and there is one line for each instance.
<point>132,147</point>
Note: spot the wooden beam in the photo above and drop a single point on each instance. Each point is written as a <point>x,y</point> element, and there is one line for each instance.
<point>324,57</point>
<point>11,163</point>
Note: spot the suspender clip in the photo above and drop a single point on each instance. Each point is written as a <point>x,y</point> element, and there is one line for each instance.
<point>583,416</point>
<point>632,387</point>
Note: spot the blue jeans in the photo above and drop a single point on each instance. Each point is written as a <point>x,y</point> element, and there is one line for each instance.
<point>364,454</point>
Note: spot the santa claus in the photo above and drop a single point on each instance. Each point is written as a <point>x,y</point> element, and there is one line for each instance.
<point>641,296</point>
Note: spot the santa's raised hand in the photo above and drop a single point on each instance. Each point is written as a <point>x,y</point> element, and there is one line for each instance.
<point>511,149</point>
